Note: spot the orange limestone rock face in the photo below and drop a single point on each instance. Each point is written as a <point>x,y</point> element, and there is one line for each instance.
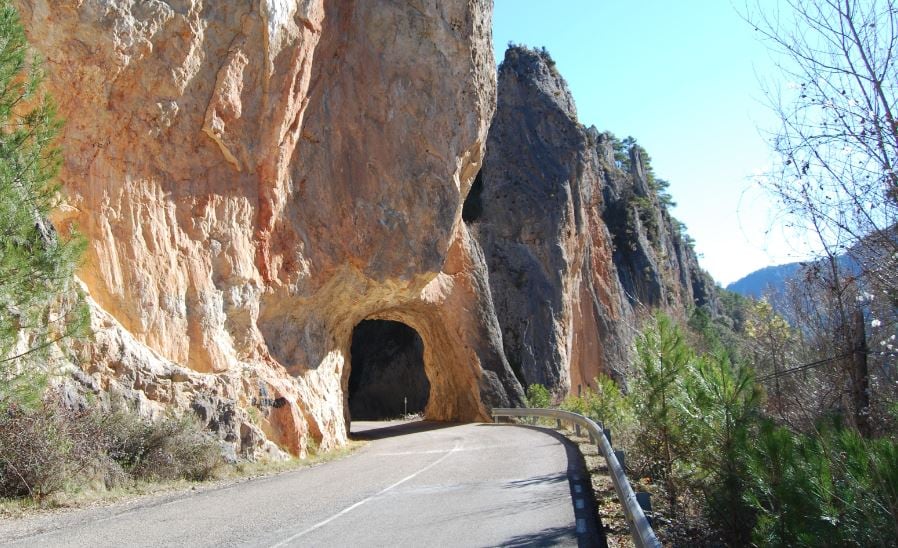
<point>257,178</point>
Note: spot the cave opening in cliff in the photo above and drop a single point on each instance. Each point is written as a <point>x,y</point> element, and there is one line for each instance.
<point>387,375</point>
<point>472,209</point>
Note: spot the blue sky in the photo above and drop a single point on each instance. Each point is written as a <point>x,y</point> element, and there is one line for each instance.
<point>683,78</point>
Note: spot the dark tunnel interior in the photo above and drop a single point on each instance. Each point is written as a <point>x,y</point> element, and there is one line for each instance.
<point>387,377</point>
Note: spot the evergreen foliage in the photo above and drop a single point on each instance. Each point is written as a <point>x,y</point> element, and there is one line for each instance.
<point>723,405</point>
<point>831,488</point>
<point>663,362</point>
<point>609,406</point>
<point>538,396</point>
<point>695,427</point>
<point>606,405</point>
<point>38,303</point>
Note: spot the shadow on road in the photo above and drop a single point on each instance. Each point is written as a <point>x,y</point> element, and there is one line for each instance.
<point>369,430</point>
<point>546,479</point>
<point>592,534</point>
<point>554,536</point>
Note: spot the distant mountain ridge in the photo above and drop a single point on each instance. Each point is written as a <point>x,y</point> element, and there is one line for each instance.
<point>770,278</point>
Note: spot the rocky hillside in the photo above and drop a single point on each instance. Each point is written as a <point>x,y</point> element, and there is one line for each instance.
<point>574,243</point>
<point>257,179</point>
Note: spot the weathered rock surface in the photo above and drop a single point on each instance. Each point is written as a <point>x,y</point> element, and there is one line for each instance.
<point>255,179</point>
<point>563,315</point>
<point>656,265</point>
<point>570,260</point>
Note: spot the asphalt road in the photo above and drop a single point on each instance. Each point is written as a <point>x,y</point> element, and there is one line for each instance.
<point>415,484</point>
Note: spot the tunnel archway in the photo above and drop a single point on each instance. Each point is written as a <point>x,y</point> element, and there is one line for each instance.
<point>387,376</point>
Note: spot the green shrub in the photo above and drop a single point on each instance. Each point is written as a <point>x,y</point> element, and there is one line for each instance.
<point>538,396</point>
<point>830,488</point>
<point>575,404</point>
<point>700,432</point>
<point>723,406</point>
<point>663,365</point>
<point>608,405</point>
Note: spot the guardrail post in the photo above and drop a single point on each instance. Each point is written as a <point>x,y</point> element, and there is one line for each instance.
<point>558,424</point>
<point>496,419</point>
<point>607,432</point>
<point>577,428</point>
<point>621,458</point>
<point>645,500</point>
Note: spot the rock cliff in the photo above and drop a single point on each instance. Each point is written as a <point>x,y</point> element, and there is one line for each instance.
<point>575,244</point>
<point>258,179</point>
<point>554,285</point>
<point>656,264</point>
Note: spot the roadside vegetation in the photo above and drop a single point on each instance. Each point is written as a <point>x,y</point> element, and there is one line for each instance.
<point>775,422</point>
<point>51,448</point>
<point>703,435</point>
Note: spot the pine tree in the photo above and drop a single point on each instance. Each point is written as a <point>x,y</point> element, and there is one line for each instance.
<point>38,301</point>
<point>724,405</point>
<point>663,366</point>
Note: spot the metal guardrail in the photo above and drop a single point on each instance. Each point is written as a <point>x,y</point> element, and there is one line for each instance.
<point>642,532</point>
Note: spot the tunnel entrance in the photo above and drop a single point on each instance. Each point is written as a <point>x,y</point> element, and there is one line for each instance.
<point>387,370</point>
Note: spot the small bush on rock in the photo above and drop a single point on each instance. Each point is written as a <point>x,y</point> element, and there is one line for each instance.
<point>43,448</point>
<point>33,452</point>
<point>609,406</point>
<point>178,448</point>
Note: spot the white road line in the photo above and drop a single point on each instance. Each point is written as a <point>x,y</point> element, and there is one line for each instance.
<point>439,451</point>
<point>406,453</point>
<point>581,525</point>
<point>579,504</point>
<point>578,488</point>
<point>363,501</point>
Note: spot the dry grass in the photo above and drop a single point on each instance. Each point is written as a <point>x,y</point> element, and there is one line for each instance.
<point>247,469</point>
<point>98,495</point>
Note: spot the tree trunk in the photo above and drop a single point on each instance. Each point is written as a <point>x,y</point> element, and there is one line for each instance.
<point>860,377</point>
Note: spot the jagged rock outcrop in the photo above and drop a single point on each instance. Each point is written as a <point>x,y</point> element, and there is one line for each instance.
<point>563,315</point>
<point>255,179</point>
<point>574,244</point>
<point>656,265</point>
